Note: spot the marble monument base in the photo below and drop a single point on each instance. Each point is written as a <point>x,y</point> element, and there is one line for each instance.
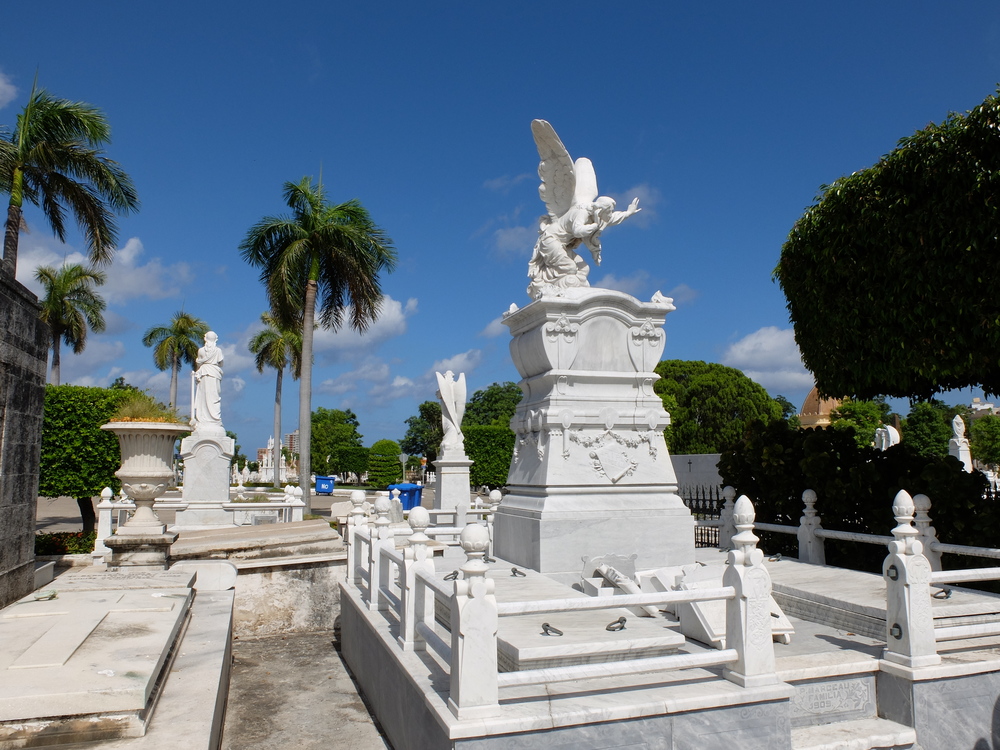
<point>553,529</point>
<point>150,551</point>
<point>207,454</point>
<point>452,485</point>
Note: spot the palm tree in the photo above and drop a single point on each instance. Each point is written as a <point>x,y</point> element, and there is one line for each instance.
<point>70,307</point>
<point>276,347</point>
<point>54,160</point>
<point>330,255</point>
<point>175,343</point>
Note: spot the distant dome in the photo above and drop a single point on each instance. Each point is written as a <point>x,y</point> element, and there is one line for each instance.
<point>816,411</point>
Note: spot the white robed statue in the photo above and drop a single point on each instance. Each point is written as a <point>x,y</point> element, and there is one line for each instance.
<point>207,409</point>
<point>451,392</point>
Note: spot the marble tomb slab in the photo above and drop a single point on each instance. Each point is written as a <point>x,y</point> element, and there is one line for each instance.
<point>521,643</point>
<point>87,664</point>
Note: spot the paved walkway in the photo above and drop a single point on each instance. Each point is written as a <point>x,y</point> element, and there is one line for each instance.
<point>294,692</point>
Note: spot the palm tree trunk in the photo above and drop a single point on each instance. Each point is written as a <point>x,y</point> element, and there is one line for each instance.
<point>305,395</point>
<point>174,370</point>
<point>11,234</point>
<point>54,374</point>
<point>276,457</point>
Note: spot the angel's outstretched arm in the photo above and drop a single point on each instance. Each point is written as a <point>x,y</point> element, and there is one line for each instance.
<point>619,216</point>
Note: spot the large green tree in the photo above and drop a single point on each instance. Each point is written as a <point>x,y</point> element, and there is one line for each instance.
<point>53,159</point>
<point>278,347</point>
<point>70,306</point>
<point>985,440</point>
<point>424,431</point>
<point>333,430</point>
<point>891,275</point>
<point>324,257</point>
<point>493,405</point>
<point>861,419</point>
<point>176,343</point>
<point>710,405</point>
<point>78,458</point>
<point>927,428</point>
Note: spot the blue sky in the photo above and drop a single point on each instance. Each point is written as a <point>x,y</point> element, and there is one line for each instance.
<point>723,117</point>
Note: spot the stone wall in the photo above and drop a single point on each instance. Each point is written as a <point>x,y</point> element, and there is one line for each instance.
<point>23,352</point>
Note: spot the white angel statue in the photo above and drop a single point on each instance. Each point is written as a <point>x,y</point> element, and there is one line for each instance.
<point>576,214</point>
<point>452,395</point>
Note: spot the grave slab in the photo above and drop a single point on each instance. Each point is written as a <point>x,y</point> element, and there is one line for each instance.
<point>85,659</point>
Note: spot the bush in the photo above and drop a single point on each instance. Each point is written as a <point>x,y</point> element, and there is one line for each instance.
<point>855,487</point>
<point>383,464</point>
<point>65,543</point>
<point>490,447</point>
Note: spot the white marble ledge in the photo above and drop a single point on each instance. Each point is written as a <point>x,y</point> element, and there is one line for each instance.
<point>859,734</point>
<point>798,668</point>
<point>952,665</point>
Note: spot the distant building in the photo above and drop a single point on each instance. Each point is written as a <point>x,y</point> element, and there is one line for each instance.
<point>292,442</point>
<point>981,409</point>
<point>816,411</point>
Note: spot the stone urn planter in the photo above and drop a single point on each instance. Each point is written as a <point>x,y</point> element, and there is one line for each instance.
<point>147,450</point>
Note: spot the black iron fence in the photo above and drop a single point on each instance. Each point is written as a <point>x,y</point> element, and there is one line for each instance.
<point>705,503</point>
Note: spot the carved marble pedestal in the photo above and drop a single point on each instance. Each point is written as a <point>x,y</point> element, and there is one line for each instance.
<point>590,475</point>
<point>206,454</point>
<point>452,483</point>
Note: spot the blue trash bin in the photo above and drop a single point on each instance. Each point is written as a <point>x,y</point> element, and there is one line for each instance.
<point>409,494</point>
<point>325,485</point>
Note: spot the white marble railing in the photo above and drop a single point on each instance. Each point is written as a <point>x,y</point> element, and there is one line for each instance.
<point>404,584</point>
<point>911,636</point>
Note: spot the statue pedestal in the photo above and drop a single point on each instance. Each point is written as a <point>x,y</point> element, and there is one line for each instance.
<point>590,475</point>
<point>452,483</point>
<point>207,453</point>
<point>140,551</point>
<point>960,450</point>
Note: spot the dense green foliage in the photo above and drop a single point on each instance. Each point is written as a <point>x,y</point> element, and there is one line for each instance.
<point>490,447</point>
<point>383,464</point>
<point>350,459</point>
<point>855,485</point>
<point>53,158</point>
<point>891,276</point>
<point>327,259</point>
<point>70,306</point>
<point>984,440</point>
<point>424,431</point>
<point>710,405</point>
<point>493,405</point>
<point>861,419</point>
<point>78,458</point>
<point>65,543</point>
<point>927,428</point>
<point>333,431</point>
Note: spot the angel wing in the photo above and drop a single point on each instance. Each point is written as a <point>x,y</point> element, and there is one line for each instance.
<point>555,169</point>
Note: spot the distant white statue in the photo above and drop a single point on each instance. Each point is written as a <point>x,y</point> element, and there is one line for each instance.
<point>207,402</point>
<point>886,436</point>
<point>451,392</point>
<point>576,215</point>
<point>958,446</point>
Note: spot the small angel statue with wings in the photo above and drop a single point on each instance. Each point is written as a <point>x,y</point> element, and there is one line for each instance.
<point>576,214</point>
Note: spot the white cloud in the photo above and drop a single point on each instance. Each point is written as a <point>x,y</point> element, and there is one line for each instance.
<point>506,182</point>
<point>494,329</point>
<point>682,294</point>
<point>465,362</point>
<point>92,366</point>
<point>632,284</point>
<point>515,240</point>
<point>770,357</point>
<point>371,370</point>
<point>127,277</point>
<point>649,198</point>
<point>390,323</point>
<point>8,91</point>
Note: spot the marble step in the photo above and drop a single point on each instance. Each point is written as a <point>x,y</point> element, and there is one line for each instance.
<point>858,734</point>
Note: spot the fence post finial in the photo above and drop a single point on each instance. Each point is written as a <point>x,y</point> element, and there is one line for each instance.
<point>748,613</point>
<point>811,548</point>
<point>474,622</point>
<point>909,621</point>
<point>927,533</point>
<point>726,527</point>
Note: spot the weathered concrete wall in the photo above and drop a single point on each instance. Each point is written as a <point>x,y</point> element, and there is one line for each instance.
<point>23,351</point>
<point>288,597</point>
